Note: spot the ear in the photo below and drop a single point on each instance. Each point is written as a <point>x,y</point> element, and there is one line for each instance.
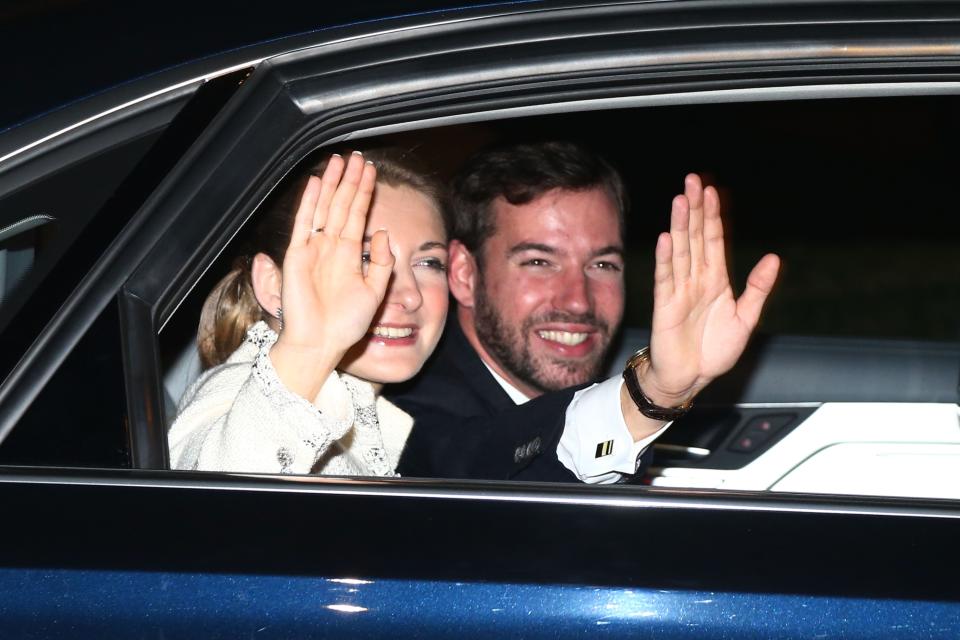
<point>267,279</point>
<point>462,276</point>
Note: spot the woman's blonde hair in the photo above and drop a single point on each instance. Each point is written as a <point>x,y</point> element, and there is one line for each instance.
<point>231,308</point>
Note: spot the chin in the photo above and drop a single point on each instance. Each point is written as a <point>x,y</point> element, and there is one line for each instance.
<point>378,374</point>
<point>568,379</point>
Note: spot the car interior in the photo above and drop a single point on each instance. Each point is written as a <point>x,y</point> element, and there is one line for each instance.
<point>856,363</point>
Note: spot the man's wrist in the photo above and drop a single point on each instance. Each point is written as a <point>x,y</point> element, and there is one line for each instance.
<point>632,376</point>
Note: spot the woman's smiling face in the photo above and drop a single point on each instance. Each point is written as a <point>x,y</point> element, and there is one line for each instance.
<point>410,320</point>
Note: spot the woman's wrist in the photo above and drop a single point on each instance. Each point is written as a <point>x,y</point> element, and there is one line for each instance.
<point>303,369</point>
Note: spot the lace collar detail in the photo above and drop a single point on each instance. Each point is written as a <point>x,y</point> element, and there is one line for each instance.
<point>261,335</point>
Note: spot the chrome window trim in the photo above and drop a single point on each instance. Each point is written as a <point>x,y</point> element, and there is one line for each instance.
<point>123,106</point>
<point>719,96</point>
<point>513,492</point>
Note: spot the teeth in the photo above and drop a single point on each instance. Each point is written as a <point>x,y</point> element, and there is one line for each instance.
<point>569,338</point>
<point>392,332</point>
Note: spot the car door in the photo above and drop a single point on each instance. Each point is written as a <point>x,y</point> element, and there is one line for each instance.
<point>147,551</point>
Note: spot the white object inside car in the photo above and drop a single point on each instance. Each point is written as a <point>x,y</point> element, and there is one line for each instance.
<point>884,449</point>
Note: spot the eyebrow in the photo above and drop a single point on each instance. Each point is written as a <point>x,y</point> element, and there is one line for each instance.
<point>530,246</point>
<point>545,248</point>
<point>612,248</point>
<point>426,246</point>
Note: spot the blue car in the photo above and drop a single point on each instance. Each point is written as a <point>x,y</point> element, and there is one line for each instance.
<point>830,130</point>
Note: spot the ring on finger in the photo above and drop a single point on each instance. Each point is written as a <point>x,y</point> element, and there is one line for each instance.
<point>318,230</point>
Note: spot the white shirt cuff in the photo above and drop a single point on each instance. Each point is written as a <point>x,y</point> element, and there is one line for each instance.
<point>596,445</point>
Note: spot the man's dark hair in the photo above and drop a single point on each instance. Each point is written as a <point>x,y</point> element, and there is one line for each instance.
<point>521,173</point>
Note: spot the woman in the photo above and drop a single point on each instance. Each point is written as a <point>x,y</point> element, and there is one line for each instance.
<point>349,296</point>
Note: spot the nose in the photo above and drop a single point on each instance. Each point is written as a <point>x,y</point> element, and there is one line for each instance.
<point>403,289</point>
<point>573,292</point>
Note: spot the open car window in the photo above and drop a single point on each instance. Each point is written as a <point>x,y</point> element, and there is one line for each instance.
<point>854,370</point>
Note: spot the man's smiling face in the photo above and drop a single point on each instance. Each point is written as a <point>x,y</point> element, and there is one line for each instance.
<point>549,291</point>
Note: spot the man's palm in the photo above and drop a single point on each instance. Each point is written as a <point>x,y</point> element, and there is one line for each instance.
<point>699,328</point>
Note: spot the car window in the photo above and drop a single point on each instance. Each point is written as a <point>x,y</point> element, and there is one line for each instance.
<point>79,419</point>
<point>862,331</point>
<point>60,211</point>
<point>46,241</point>
<point>55,228</point>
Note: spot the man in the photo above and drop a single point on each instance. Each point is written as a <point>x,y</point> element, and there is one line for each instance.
<point>536,267</point>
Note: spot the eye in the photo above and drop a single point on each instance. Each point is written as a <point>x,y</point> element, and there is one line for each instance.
<point>431,263</point>
<point>364,262</point>
<point>606,265</point>
<point>535,262</point>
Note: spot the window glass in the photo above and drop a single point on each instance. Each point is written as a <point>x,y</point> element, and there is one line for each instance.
<point>59,213</point>
<point>79,419</point>
<point>51,232</point>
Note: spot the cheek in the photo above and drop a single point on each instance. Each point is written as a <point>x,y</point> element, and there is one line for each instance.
<point>435,300</point>
<point>520,296</point>
<point>609,299</point>
<point>529,299</point>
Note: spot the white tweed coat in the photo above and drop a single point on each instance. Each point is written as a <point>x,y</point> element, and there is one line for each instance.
<point>240,417</point>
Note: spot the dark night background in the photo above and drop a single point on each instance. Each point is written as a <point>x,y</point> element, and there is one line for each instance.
<point>858,196</point>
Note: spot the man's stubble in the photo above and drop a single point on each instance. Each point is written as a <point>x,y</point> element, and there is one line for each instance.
<point>510,346</point>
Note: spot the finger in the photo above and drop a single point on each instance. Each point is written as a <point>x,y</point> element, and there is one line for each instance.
<point>357,216</point>
<point>303,220</point>
<point>340,206</point>
<point>328,187</point>
<point>695,196</point>
<point>759,285</point>
<point>680,236</point>
<point>663,270</point>
<point>714,250</point>
<point>380,267</point>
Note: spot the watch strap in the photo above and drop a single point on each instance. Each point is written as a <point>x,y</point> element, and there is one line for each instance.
<point>644,404</point>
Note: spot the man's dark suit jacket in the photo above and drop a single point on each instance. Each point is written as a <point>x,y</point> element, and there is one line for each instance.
<point>466,426</point>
